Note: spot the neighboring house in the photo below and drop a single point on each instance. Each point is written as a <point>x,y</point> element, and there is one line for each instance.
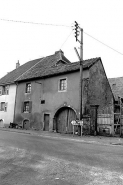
<point>117,89</point>
<point>8,92</point>
<point>48,96</point>
<point>117,86</point>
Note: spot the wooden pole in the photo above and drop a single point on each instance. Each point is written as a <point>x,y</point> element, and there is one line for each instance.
<point>81,77</point>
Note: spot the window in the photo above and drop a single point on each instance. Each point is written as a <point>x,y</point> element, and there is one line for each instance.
<point>63,84</point>
<point>4,90</point>
<point>42,101</point>
<point>28,88</point>
<point>3,106</point>
<point>27,106</point>
<point>1,90</point>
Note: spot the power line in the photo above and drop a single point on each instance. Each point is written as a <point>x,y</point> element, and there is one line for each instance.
<point>25,22</point>
<point>58,25</point>
<point>66,39</point>
<point>103,43</point>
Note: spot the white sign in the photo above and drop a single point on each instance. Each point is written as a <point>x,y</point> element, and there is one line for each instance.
<point>80,122</point>
<point>73,122</point>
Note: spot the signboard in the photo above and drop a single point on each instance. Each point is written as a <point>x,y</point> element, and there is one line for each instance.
<point>77,122</point>
<point>73,122</point>
<point>80,122</point>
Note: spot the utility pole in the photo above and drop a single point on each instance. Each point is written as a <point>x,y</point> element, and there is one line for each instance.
<point>81,73</point>
<point>81,63</point>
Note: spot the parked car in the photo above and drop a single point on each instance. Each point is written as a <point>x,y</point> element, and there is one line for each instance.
<point>14,125</point>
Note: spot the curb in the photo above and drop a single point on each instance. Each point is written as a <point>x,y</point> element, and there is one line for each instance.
<point>34,133</point>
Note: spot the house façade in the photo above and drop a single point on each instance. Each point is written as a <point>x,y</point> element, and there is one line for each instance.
<point>48,96</point>
<point>8,92</point>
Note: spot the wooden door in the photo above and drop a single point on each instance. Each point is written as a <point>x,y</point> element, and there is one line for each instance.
<point>71,116</point>
<point>93,121</point>
<point>63,120</point>
<point>26,124</point>
<point>46,122</point>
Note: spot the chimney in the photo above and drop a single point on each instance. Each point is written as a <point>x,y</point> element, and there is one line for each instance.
<point>17,64</point>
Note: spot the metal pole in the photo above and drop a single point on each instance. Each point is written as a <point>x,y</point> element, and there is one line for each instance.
<point>81,73</point>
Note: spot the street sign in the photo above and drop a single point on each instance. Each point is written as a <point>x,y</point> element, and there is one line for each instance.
<point>73,122</point>
<point>80,122</point>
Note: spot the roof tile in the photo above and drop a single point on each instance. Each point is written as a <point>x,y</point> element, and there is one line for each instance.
<point>117,86</point>
<point>47,67</point>
<point>13,75</point>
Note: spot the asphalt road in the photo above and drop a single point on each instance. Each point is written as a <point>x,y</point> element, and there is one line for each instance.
<point>34,160</point>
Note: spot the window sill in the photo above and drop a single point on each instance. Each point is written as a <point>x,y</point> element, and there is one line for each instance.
<point>62,90</point>
<point>28,93</point>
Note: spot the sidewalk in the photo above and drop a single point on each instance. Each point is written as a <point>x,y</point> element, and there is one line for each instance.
<point>87,139</point>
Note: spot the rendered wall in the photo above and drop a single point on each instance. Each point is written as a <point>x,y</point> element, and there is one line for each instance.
<point>99,93</point>
<point>8,116</point>
<point>47,89</point>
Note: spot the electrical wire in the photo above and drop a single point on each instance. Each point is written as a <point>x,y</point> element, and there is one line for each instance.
<point>103,43</point>
<point>66,39</point>
<point>44,24</point>
<point>25,22</point>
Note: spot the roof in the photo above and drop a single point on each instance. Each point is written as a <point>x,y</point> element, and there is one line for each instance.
<point>48,67</point>
<point>116,86</point>
<point>13,75</point>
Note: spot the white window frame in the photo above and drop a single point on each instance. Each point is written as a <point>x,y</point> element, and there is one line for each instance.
<point>1,92</point>
<point>5,106</point>
<point>24,107</point>
<point>59,84</point>
<point>26,92</point>
<point>6,90</point>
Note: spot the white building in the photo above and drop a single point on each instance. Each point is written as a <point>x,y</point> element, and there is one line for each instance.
<point>8,91</point>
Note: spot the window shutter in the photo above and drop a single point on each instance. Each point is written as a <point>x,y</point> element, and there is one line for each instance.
<point>30,106</point>
<point>22,107</point>
<point>0,91</point>
<point>6,105</point>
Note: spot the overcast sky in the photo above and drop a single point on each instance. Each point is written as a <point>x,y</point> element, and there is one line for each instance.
<point>102,19</point>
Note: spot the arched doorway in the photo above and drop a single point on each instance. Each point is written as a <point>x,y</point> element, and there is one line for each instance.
<point>63,118</point>
<point>26,124</point>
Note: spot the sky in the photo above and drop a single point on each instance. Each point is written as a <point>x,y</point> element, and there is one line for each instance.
<point>101,19</point>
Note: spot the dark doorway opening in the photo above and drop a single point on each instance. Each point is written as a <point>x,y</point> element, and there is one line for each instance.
<point>93,121</point>
<point>46,122</point>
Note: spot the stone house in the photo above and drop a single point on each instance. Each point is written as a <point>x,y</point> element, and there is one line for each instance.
<point>48,96</point>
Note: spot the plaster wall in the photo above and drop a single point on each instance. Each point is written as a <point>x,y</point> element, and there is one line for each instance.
<point>48,89</point>
<point>8,116</point>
